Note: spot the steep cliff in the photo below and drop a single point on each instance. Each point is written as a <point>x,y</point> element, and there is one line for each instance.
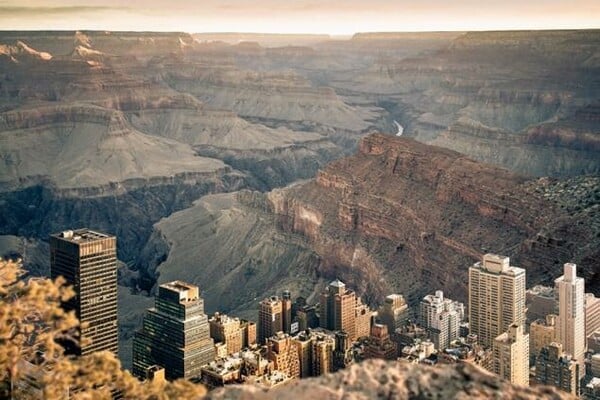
<point>91,134</point>
<point>403,216</point>
<point>230,246</point>
<point>398,216</point>
<point>268,96</point>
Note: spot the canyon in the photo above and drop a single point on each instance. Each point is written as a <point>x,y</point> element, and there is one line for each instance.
<point>249,163</point>
<point>397,216</point>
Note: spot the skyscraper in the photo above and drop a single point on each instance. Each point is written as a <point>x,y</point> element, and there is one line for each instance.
<point>554,367</point>
<point>338,309</point>
<point>592,314</point>
<point>175,334</point>
<point>286,308</point>
<point>88,261</point>
<point>363,317</point>
<point>270,318</point>
<point>379,344</point>
<point>570,326</point>
<point>227,330</point>
<point>542,333</point>
<point>540,301</point>
<point>511,355</point>
<point>441,317</point>
<point>315,350</point>
<point>394,312</point>
<point>282,351</point>
<point>496,297</point>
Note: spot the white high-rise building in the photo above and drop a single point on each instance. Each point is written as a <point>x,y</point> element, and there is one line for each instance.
<point>511,355</point>
<point>496,298</point>
<point>592,314</point>
<point>441,317</point>
<point>570,326</point>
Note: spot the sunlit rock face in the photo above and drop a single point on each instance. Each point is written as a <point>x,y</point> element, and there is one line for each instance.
<point>397,217</point>
<point>377,379</point>
<point>400,216</point>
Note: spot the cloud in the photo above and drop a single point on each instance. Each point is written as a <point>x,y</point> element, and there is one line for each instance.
<point>18,11</point>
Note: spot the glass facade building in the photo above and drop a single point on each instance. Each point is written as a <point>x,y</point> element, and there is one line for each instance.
<point>88,262</point>
<point>175,334</point>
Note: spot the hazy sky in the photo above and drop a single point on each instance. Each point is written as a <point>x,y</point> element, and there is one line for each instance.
<point>293,16</point>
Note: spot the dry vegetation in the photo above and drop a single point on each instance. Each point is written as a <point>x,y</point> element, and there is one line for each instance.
<point>31,322</point>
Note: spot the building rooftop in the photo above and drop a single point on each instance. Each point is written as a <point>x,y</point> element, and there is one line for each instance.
<point>185,291</point>
<point>224,365</point>
<point>542,291</point>
<point>178,286</point>
<point>83,235</point>
<point>337,283</point>
<point>594,383</point>
<point>395,299</point>
<point>270,300</point>
<point>495,264</point>
<point>224,319</point>
<point>275,378</point>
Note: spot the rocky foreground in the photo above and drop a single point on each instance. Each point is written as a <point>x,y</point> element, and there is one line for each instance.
<point>376,379</point>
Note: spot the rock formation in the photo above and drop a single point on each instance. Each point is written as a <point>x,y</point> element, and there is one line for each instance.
<point>499,97</point>
<point>377,379</point>
<point>121,130</point>
<point>398,216</point>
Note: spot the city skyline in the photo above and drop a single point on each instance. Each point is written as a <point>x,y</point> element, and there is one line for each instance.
<point>304,16</point>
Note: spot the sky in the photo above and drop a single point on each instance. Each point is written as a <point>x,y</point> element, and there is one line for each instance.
<point>338,17</point>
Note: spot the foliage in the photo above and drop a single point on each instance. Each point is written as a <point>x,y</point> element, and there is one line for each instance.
<point>31,324</point>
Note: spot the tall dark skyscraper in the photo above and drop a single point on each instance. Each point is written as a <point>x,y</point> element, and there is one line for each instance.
<point>175,334</point>
<point>270,318</point>
<point>88,261</point>
<point>338,307</point>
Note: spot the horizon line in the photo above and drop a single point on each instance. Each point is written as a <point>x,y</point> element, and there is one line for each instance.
<point>308,33</point>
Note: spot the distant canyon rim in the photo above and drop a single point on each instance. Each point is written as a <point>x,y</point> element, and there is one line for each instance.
<point>249,164</point>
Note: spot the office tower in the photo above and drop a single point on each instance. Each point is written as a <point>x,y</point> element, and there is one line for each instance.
<point>286,305</point>
<point>342,355</point>
<point>595,365</point>
<point>554,367</point>
<point>593,342</point>
<point>592,314</point>
<point>496,297</point>
<point>338,309</point>
<point>322,348</point>
<point>88,262</point>
<point>570,325</point>
<point>303,343</point>
<point>281,350</point>
<point>511,355</point>
<point>394,312</point>
<point>270,318</point>
<point>541,333</point>
<point>540,301</point>
<point>315,351</point>
<point>441,317</point>
<point>379,344</point>
<point>227,330</point>
<point>363,317</point>
<point>307,317</point>
<point>248,333</point>
<point>175,334</point>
